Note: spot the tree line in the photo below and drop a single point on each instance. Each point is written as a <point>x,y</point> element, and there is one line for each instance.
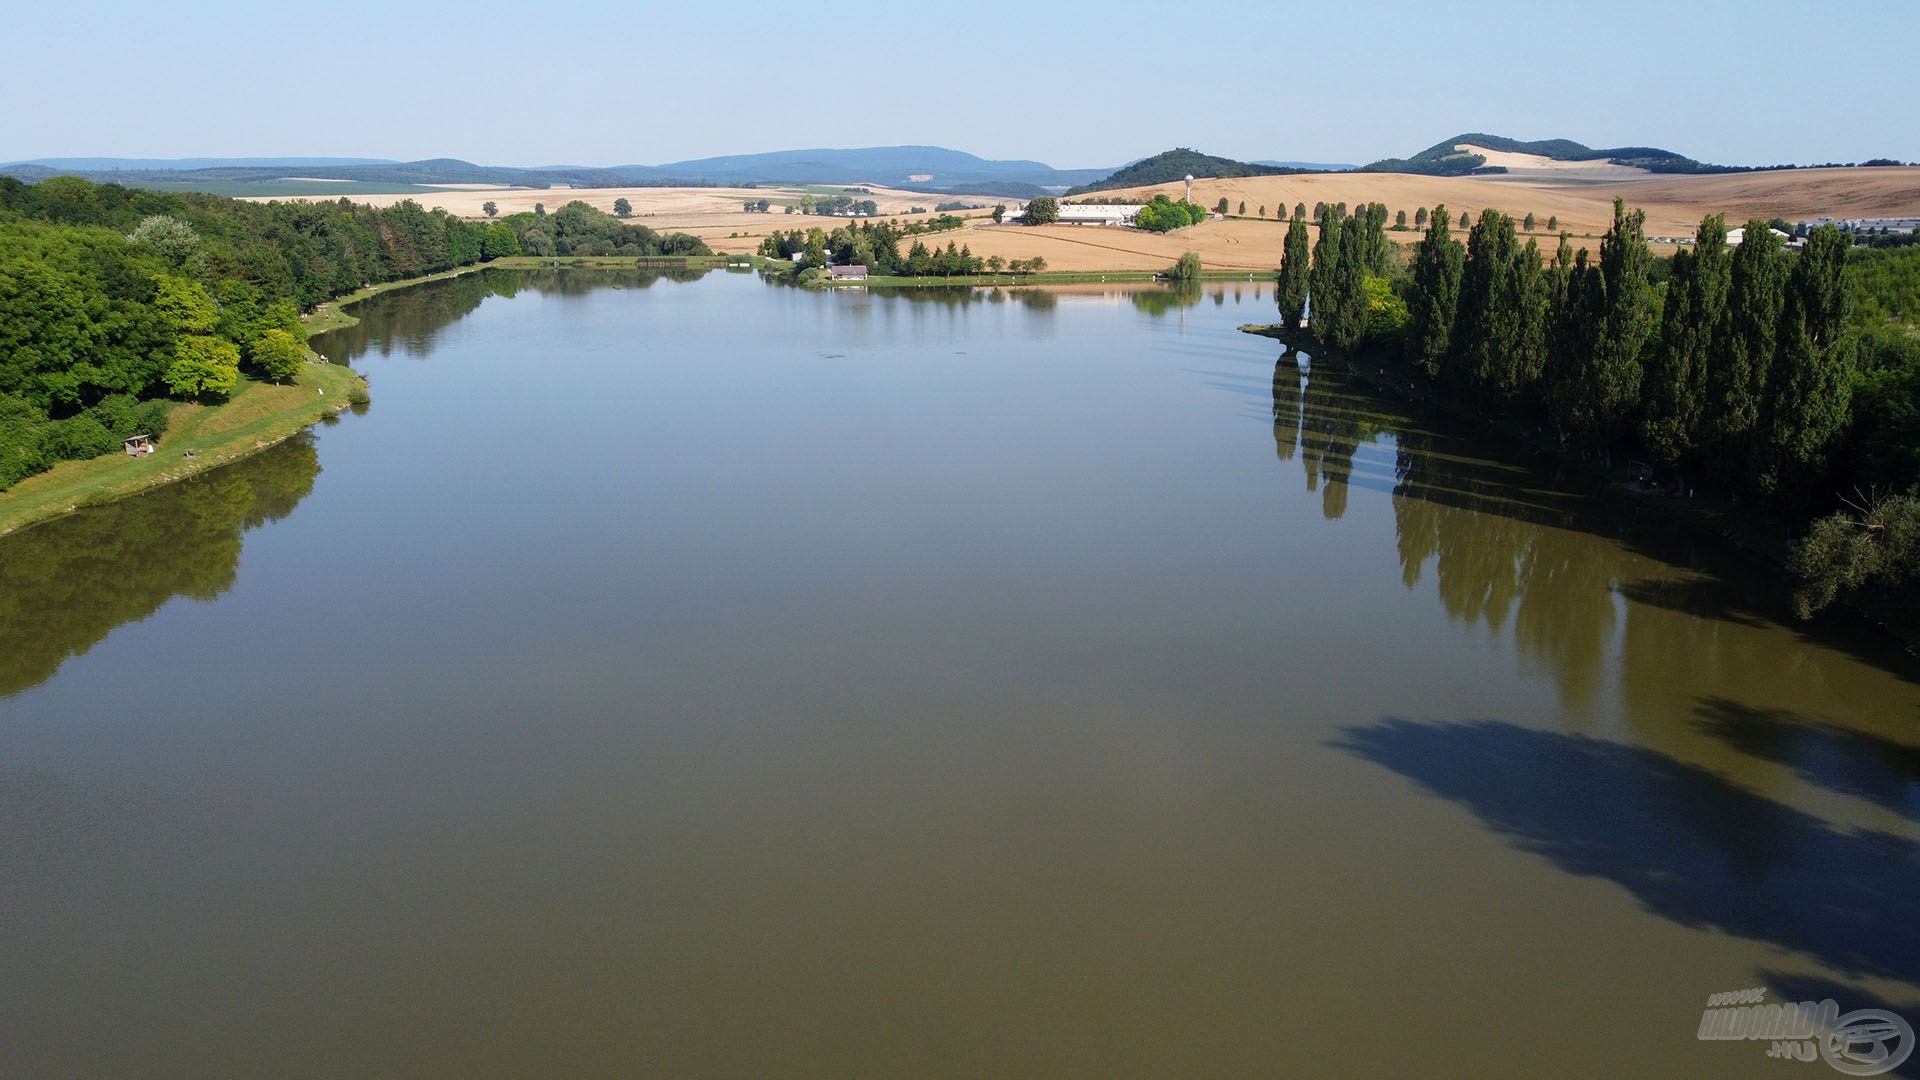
<point>1744,371</point>
<point>876,245</point>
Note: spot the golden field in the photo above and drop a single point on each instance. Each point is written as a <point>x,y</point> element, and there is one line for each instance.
<point>1674,206</point>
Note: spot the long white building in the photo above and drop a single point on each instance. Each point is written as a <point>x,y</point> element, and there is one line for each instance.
<point>1087,213</point>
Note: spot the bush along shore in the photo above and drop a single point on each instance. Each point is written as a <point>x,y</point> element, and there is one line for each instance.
<point>1765,395</point>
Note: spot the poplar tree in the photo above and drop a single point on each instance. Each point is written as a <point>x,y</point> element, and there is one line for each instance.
<point>1810,388</point>
<point>1692,330</point>
<point>1377,246</point>
<point>1625,319</point>
<point>1291,289</point>
<point>1573,291</point>
<point>1326,255</point>
<point>1299,209</point>
<point>1737,381</point>
<point>1486,342</point>
<point>1349,280</point>
<point>1431,305</point>
<point>1420,218</point>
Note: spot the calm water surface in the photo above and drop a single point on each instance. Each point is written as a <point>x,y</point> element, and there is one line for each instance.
<point>715,679</point>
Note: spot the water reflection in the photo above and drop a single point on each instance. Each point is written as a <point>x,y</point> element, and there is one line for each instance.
<point>1317,412</point>
<point>66,584</point>
<point>1176,295</point>
<point>411,319</point>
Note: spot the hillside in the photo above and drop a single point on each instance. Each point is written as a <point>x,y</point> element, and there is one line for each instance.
<point>1178,163</point>
<point>1445,158</point>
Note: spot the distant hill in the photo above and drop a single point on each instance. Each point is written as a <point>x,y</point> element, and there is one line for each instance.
<point>931,169</point>
<point>937,169</point>
<point>1309,166</point>
<point>1442,159</point>
<point>1176,164</point>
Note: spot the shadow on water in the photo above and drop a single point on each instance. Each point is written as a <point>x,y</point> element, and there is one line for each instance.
<point>65,585</point>
<point>1840,759</point>
<point>1689,845</point>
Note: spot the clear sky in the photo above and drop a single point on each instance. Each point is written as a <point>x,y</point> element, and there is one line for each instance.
<point>1073,85</point>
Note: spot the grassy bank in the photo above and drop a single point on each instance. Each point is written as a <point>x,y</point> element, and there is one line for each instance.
<point>198,438</point>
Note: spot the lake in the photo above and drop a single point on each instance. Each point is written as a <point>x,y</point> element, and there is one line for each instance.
<point>712,678</point>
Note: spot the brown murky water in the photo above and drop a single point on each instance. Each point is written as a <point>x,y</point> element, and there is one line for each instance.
<point>712,679</point>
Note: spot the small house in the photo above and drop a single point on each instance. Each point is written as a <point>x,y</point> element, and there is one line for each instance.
<point>856,272</point>
<point>140,446</point>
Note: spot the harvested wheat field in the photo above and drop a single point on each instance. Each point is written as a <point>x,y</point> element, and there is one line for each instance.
<point>1584,206</point>
<point>1674,206</point>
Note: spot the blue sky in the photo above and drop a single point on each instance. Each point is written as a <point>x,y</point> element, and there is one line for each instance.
<point>1758,81</point>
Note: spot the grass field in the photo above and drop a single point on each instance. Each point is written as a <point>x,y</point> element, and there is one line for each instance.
<point>198,438</point>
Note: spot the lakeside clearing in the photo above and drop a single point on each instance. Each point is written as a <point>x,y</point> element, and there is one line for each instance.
<point>198,438</point>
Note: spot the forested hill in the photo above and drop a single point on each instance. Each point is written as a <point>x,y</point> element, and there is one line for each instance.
<point>113,300</point>
<point>1178,163</point>
<point>1442,159</point>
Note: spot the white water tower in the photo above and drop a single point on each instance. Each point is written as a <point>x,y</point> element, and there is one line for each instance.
<point>1189,187</point>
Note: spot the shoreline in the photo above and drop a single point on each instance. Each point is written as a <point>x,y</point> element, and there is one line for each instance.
<point>199,438</point>
<point>260,415</point>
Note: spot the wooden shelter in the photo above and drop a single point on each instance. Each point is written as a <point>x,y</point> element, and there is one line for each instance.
<point>140,446</point>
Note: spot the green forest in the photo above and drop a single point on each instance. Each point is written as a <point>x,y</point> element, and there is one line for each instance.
<point>116,301</point>
<point>1782,380</point>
